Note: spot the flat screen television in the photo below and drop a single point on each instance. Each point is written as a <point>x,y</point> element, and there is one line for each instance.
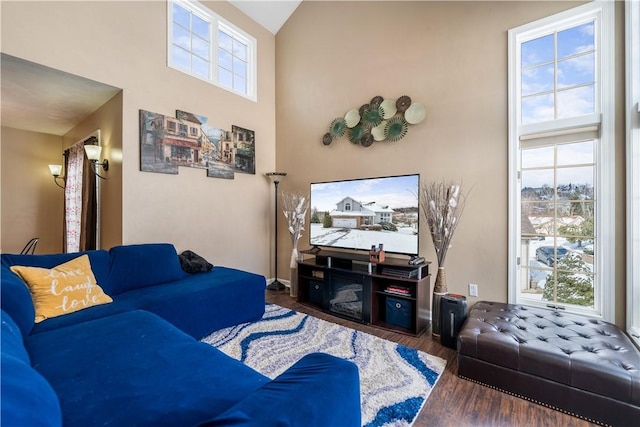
<point>359,213</point>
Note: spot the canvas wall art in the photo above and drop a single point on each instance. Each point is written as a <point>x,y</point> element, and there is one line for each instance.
<point>188,140</point>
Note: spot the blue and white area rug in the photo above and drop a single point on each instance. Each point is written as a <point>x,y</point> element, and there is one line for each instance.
<point>395,381</point>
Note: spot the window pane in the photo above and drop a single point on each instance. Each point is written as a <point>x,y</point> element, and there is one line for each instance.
<point>181,16</point>
<point>224,77</point>
<point>200,67</point>
<point>540,182</point>
<point>575,176</point>
<point>225,41</point>
<point>537,157</point>
<point>576,71</point>
<point>572,283</point>
<point>533,210</point>
<point>576,153</point>
<point>240,50</point>
<point>576,40</point>
<point>537,51</point>
<point>201,27</point>
<point>181,58</point>
<point>181,37</point>
<point>576,102</point>
<point>239,68</point>
<point>240,84</point>
<point>201,48</point>
<point>537,108</point>
<point>537,80</point>
<point>224,59</point>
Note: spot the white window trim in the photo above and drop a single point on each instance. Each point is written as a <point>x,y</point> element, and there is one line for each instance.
<point>632,13</point>
<point>603,11</point>
<point>217,22</point>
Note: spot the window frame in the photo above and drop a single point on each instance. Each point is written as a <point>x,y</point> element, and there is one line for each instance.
<point>632,13</point>
<point>217,23</point>
<point>602,13</point>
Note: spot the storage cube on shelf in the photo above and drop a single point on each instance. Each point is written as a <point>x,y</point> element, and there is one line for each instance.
<point>399,312</point>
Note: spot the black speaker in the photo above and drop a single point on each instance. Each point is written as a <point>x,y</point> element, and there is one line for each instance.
<point>453,312</point>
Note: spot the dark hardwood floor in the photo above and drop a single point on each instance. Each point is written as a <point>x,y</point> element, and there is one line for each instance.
<point>454,401</point>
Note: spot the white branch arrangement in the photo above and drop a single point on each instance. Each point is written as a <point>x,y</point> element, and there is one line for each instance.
<point>442,205</point>
<point>294,207</point>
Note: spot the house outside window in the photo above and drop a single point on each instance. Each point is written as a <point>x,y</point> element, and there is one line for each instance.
<point>561,161</point>
<point>204,45</point>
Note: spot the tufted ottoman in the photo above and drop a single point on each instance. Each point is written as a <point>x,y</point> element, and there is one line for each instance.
<point>579,365</point>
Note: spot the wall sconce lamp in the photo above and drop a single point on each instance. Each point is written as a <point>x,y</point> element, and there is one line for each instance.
<point>56,170</point>
<point>93,154</point>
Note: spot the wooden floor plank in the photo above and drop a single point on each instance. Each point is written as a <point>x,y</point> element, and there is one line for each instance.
<point>454,401</point>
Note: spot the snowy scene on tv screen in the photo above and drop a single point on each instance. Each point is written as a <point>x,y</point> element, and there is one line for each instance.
<point>357,214</point>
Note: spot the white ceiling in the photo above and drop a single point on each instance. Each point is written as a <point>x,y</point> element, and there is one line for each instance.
<point>46,100</point>
<point>269,13</point>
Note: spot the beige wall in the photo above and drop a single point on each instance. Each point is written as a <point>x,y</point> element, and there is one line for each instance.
<point>123,44</point>
<point>108,119</point>
<point>32,204</point>
<point>451,56</point>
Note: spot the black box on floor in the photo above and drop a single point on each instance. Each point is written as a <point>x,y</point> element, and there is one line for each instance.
<point>453,312</point>
<point>315,292</point>
<point>398,312</point>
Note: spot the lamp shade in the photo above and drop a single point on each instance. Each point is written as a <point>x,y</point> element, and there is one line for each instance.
<point>55,170</point>
<point>276,176</point>
<point>93,151</point>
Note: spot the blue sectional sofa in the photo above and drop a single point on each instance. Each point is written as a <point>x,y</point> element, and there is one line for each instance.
<point>137,361</point>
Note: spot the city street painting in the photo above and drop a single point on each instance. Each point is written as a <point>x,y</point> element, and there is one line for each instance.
<point>188,140</point>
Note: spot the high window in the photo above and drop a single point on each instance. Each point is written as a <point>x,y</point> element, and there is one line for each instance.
<point>561,146</point>
<point>203,45</point>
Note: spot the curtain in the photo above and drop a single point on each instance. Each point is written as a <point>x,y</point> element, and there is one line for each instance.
<point>80,200</point>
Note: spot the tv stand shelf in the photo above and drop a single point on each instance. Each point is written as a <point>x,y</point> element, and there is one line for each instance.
<point>392,294</point>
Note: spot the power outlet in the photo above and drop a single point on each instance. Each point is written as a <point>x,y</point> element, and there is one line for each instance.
<point>473,290</point>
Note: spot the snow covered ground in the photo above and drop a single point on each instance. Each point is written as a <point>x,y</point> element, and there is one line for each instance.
<point>403,241</point>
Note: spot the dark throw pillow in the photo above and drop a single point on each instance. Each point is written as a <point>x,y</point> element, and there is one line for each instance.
<point>193,263</point>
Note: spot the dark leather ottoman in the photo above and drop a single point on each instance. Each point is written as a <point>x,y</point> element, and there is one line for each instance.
<point>579,365</point>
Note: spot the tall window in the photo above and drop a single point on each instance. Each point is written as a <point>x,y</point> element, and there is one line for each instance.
<point>561,201</point>
<point>202,44</point>
<point>633,168</point>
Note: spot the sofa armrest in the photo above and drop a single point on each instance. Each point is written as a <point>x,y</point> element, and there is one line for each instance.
<point>318,390</point>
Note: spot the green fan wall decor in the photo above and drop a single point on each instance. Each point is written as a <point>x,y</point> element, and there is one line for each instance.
<point>381,119</point>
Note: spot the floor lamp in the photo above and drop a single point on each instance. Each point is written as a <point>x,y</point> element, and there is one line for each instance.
<point>275,177</point>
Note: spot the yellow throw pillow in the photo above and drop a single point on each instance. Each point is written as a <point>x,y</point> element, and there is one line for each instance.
<point>62,289</point>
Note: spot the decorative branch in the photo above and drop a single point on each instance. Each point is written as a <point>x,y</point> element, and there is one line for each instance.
<point>294,208</point>
<point>442,205</point>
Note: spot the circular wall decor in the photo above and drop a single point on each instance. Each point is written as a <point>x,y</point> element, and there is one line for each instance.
<point>415,113</point>
<point>352,118</point>
<point>396,128</point>
<point>382,119</point>
<point>337,128</point>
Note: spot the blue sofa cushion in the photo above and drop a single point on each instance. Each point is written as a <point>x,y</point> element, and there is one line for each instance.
<point>202,303</point>
<point>137,369</point>
<point>11,342</point>
<point>139,266</point>
<point>15,299</point>
<point>320,378</point>
<point>27,398</point>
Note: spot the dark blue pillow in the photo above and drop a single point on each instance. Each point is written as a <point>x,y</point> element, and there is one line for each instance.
<point>139,266</point>
<point>27,398</point>
<point>15,299</point>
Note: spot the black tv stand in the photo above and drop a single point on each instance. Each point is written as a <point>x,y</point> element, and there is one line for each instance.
<point>391,294</point>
